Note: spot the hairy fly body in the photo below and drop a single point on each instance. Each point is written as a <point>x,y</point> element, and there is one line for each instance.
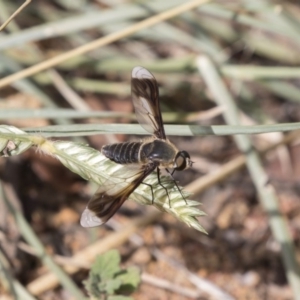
<point>148,155</point>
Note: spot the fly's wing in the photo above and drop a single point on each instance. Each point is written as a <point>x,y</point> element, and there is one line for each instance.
<point>112,194</point>
<point>145,99</point>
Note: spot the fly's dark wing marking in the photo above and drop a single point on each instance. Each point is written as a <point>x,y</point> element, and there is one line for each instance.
<point>145,99</point>
<point>112,194</point>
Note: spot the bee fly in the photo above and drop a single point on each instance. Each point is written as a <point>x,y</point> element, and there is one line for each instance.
<point>148,155</point>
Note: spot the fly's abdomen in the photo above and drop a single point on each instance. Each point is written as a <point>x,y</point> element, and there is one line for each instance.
<point>122,153</point>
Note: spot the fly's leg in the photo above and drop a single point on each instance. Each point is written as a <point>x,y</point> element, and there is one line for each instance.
<point>159,182</point>
<point>152,193</point>
<point>171,174</point>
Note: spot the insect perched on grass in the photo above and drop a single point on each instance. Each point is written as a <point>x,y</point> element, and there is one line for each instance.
<point>142,158</point>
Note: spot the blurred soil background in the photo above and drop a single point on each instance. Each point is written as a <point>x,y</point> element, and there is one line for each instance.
<point>256,47</point>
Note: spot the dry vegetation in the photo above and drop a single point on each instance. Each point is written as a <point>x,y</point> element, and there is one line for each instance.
<point>222,63</point>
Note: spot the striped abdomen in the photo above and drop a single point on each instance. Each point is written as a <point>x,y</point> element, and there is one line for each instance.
<point>122,153</point>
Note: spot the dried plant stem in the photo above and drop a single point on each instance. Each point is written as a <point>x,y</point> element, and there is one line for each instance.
<point>182,130</point>
<point>8,282</point>
<point>14,14</point>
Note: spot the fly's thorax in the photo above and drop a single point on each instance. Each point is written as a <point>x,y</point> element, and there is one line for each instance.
<point>157,150</point>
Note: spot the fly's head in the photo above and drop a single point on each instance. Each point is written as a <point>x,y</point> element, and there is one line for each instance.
<point>182,161</point>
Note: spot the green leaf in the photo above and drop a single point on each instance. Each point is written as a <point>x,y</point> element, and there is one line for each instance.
<point>92,285</point>
<point>130,280</point>
<point>119,297</point>
<point>107,265</point>
<point>113,285</point>
<point>106,277</point>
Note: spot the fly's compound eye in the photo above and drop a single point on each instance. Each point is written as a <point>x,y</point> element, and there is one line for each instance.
<point>182,161</point>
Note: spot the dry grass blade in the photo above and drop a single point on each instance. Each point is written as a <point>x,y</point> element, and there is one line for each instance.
<point>70,95</point>
<point>29,235</point>
<point>8,281</point>
<point>102,41</point>
<point>182,130</point>
<point>14,14</point>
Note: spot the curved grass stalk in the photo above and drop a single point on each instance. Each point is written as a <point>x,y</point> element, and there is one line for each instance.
<point>182,130</point>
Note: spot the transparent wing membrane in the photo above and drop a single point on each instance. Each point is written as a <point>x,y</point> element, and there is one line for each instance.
<point>145,99</point>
